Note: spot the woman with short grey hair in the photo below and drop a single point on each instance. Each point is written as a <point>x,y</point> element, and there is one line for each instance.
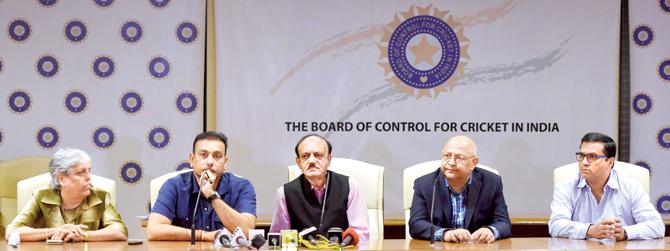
<point>76,210</point>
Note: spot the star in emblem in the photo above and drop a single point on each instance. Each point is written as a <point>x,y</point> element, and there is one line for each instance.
<point>424,51</point>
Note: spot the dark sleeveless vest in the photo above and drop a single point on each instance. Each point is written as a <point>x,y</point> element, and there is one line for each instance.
<point>305,210</point>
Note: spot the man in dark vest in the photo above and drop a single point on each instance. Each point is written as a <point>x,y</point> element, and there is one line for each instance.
<point>319,198</point>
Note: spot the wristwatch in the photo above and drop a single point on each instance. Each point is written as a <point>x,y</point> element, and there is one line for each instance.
<point>215,195</point>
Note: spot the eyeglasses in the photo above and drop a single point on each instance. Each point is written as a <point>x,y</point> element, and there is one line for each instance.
<point>458,158</point>
<point>217,156</point>
<point>591,157</point>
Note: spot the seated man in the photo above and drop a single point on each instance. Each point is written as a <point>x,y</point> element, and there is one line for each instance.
<point>600,203</point>
<point>469,203</point>
<point>227,200</point>
<point>319,198</point>
<point>70,209</point>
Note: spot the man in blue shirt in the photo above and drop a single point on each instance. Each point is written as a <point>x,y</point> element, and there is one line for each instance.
<point>226,200</point>
<point>601,203</point>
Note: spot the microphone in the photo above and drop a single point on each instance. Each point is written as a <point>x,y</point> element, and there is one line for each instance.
<point>258,241</point>
<point>349,237</point>
<point>274,240</point>
<point>195,209</point>
<point>308,234</point>
<point>241,241</point>
<point>223,239</point>
<point>335,235</point>
<point>432,210</point>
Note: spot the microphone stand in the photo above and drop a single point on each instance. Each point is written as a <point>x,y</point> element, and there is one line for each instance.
<point>195,209</point>
<point>432,210</point>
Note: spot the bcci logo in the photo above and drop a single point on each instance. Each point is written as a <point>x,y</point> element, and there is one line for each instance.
<point>421,50</point>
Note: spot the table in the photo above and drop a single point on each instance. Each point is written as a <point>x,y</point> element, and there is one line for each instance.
<point>388,244</point>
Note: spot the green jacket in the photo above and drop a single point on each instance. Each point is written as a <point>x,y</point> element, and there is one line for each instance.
<point>96,212</point>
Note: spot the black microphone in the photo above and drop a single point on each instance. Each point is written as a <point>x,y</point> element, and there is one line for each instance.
<point>350,237</point>
<point>195,209</point>
<point>335,235</point>
<point>258,241</point>
<point>432,210</point>
<point>308,234</point>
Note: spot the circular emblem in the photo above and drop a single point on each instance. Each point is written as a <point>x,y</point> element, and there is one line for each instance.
<point>47,137</point>
<point>104,3</point>
<point>664,70</point>
<point>103,67</point>
<point>664,138</point>
<point>159,67</point>
<point>159,3</point>
<point>159,137</point>
<point>103,137</point>
<point>19,30</point>
<point>186,32</point>
<point>75,31</point>
<point>186,102</point>
<point>643,35</point>
<point>131,172</point>
<point>47,66</point>
<point>412,51</point>
<point>663,204</point>
<point>47,3</point>
<point>131,102</point>
<point>131,31</point>
<point>75,101</point>
<point>665,5</point>
<point>183,165</point>
<point>642,103</point>
<point>19,101</point>
<point>644,164</point>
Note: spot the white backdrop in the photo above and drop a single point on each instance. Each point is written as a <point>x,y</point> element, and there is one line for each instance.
<point>122,80</point>
<point>650,93</point>
<point>304,61</point>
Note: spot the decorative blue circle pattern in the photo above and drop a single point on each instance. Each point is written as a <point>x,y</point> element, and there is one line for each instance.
<point>186,102</point>
<point>47,66</point>
<point>131,172</point>
<point>104,3</point>
<point>159,3</point>
<point>187,32</point>
<point>159,67</point>
<point>663,204</point>
<point>131,102</point>
<point>19,30</point>
<point>159,137</point>
<point>19,101</point>
<point>131,31</point>
<point>643,164</point>
<point>643,35</point>
<point>183,165</point>
<point>429,26</point>
<point>47,137</point>
<point>75,101</point>
<point>664,138</point>
<point>664,5</point>
<point>664,70</point>
<point>642,103</point>
<point>48,3</point>
<point>75,31</point>
<point>103,137</point>
<point>103,67</point>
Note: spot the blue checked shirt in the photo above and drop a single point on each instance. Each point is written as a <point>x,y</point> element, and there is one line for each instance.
<point>458,207</point>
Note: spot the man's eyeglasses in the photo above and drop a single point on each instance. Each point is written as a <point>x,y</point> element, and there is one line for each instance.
<point>203,155</point>
<point>458,158</point>
<point>591,157</point>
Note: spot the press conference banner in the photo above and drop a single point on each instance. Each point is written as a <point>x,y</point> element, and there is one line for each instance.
<point>650,95</point>
<point>389,82</point>
<point>122,80</point>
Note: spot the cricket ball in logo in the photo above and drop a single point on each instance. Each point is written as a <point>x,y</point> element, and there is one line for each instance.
<point>422,49</point>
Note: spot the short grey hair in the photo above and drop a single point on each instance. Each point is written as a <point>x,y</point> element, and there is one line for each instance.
<point>62,162</point>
